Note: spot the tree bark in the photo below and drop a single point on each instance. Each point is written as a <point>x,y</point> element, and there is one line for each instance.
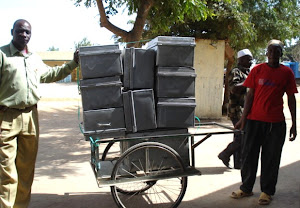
<point>132,37</point>
<point>229,56</point>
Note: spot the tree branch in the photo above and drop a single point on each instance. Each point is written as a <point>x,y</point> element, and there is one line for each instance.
<point>140,20</point>
<point>136,33</point>
<point>104,22</point>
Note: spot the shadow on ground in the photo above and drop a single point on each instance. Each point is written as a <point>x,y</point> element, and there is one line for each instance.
<point>63,150</point>
<point>287,195</point>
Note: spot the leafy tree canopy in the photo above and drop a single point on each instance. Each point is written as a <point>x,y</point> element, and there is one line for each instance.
<point>154,15</point>
<point>83,42</point>
<point>245,24</point>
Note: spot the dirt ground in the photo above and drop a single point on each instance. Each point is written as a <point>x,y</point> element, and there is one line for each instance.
<point>64,178</point>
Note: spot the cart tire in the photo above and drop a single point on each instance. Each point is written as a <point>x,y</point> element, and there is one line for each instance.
<point>107,148</point>
<point>147,184</point>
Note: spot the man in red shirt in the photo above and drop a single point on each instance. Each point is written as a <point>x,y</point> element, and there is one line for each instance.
<point>264,122</point>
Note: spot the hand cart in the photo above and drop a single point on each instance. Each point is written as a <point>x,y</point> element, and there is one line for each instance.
<point>148,172</point>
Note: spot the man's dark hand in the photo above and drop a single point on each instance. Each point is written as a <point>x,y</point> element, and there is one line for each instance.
<point>76,56</point>
<point>240,124</point>
<point>293,133</point>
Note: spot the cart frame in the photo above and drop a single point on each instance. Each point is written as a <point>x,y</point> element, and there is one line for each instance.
<point>102,169</point>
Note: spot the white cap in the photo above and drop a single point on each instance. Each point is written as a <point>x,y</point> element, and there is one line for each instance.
<point>244,52</point>
<point>275,42</point>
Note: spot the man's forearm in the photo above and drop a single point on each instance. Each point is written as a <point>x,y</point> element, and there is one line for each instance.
<point>248,103</point>
<point>292,107</point>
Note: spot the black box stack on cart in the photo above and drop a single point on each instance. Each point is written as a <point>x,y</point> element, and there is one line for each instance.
<point>101,91</point>
<point>175,81</point>
<point>137,91</point>
<point>138,95</point>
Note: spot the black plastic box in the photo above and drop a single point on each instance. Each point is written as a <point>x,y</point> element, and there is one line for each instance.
<point>175,112</point>
<point>101,93</point>
<point>173,82</point>
<point>139,67</point>
<point>104,122</point>
<point>139,109</point>
<point>173,51</point>
<point>100,61</point>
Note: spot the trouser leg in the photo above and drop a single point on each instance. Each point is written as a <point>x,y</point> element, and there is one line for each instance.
<point>237,140</point>
<point>8,173</point>
<point>270,157</point>
<point>26,157</point>
<point>10,127</point>
<point>234,147</point>
<point>250,155</point>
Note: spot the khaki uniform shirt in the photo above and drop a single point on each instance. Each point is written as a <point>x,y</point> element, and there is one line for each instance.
<point>20,76</point>
<point>236,101</point>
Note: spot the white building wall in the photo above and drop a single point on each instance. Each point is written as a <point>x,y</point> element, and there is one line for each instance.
<point>209,66</point>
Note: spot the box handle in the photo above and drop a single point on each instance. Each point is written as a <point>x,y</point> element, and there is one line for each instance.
<point>103,124</point>
<point>176,74</point>
<point>104,84</point>
<point>90,53</point>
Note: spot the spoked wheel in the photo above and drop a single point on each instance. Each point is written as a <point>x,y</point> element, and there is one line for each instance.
<point>124,191</point>
<point>149,176</point>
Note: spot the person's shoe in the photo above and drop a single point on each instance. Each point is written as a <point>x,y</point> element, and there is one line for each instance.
<point>264,199</point>
<point>240,194</point>
<point>224,159</point>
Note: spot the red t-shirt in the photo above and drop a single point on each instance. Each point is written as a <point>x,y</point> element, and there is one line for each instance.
<point>269,86</point>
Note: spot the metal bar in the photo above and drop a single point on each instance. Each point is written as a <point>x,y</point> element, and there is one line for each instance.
<point>190,171</point>
<point>160,136</point>
<point>201,141</point>
<point>192,151</point>
<point>132,137</point>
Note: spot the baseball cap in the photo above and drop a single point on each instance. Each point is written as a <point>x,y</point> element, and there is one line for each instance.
<point>244,52</point>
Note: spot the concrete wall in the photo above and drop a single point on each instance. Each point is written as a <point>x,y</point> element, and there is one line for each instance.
<point>209,66</point>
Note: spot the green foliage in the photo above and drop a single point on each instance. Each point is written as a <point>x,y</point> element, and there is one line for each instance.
<point>244,23</point>
<point>292,52</point>
<point>52,48</point>
<point>225,19</point>
<point>167,13</point>
<point>163,13</point>
<point>83,42</point>
<point>273,19</point>
<point>296,51</point>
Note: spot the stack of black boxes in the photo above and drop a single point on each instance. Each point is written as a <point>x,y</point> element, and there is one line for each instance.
<point>138,94</point>
<point>175,81</point>
<point>138,90</point>
<point>101,91</point>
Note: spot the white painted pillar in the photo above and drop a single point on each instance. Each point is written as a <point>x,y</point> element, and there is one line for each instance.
<point>209,66</point>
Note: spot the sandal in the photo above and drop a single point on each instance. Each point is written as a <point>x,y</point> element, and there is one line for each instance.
<point>264,199</point>
<point>240,194</point>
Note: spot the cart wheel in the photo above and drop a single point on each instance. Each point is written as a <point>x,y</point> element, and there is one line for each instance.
<point>151,172</point>
<point>104,154</point>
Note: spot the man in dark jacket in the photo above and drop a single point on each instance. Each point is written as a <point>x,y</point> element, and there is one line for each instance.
<point>237,93</point>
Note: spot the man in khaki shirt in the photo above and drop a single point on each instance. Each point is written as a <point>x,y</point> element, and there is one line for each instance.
<point>20,74</point>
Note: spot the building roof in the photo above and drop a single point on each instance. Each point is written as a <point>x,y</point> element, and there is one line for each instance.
<point>56,55</point>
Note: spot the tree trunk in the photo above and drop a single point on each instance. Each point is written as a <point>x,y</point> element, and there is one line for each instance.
<point>132,37</point>
<point>229,56</point>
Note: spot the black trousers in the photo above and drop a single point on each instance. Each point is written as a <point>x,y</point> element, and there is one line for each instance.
<point>234,148</point>
<point>269,139</point>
